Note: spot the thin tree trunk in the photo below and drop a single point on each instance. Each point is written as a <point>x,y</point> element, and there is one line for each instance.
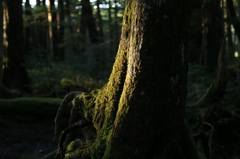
<point>1,41</point>
<point>196,31</point>
<point>110,20</point>
<point>14,73</point>
<point>235,21</point>
<point>44,2</point>
<point>61,50</point>
<point>99,20</point>
<point>28,36</point>
<point>87,23</point>
<point>83,31</point>
<point>53,36</point>
<point>212,33</point>
<point>38,2</point>
<point>116,25</point>
<point>90,22</point>
<point>72,46</point>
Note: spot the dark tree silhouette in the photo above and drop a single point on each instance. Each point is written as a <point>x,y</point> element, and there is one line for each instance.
<point>14,73</point>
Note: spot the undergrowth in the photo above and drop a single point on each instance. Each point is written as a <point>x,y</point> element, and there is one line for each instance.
<point>57,78</point>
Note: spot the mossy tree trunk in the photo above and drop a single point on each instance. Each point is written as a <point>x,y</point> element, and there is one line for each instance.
<point>139,113</point>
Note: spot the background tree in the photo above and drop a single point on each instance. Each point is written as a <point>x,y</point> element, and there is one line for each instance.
<point>53,30</point>
<point>195,44</point>
<point>139,113</point>
<point>212,33</point>
<point>14,61</point>
<point>110,26</point>
<point>68,11</point>
<point>40,36</point>
<point>234,19</point>
<point>99,21</point>
<point>38,2</point>
<point>28,33</point>
<point>61,22</point>
<point>87,25</point>
<point>1,41</point>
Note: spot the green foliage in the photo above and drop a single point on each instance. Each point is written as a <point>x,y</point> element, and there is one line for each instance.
<point>58,78</point>
<point>215,125</point>
<point>197,82</point>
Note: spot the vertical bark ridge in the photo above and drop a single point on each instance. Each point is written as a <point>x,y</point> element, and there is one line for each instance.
<point>146,94</point>
<point>109,102</point>
<point>107,99</point>
<point>139,113</point>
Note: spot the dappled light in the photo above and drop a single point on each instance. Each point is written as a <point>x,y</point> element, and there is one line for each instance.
<point>98,78</point>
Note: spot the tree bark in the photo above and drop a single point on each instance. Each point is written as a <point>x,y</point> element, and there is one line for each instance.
<point>44,2</point>
<point>1,42</point>
<point>139,113</point>
<point>38,2</point>
<point>72,46</point>
<point>14,73</point>
<point>195,44</point>
<point>87,23</point>
<point>99,20</point>
<point>87,15</point>
<point>212,33</point>
<point>61,15</point>
<point>28,33</point>
<point>53,34</point>
<point>234,19</point>
<point>110,20</point>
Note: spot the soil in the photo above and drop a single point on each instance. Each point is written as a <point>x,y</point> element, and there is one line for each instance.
<point>26,137</point>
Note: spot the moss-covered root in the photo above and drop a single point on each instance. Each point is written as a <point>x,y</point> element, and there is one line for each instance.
<point>61,150</point>
<point>68,98</point>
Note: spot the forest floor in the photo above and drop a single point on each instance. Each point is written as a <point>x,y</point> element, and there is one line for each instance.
<point>26,137</point>
<point>30,137</point>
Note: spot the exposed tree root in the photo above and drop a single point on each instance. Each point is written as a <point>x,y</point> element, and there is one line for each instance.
<point>76,121</point>
<point>68,98</point>
<point>217,90</point>
<point>61,151</point>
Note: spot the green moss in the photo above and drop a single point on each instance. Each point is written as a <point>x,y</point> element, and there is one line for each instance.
<point>31,106</point>
<point>74,145</point>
